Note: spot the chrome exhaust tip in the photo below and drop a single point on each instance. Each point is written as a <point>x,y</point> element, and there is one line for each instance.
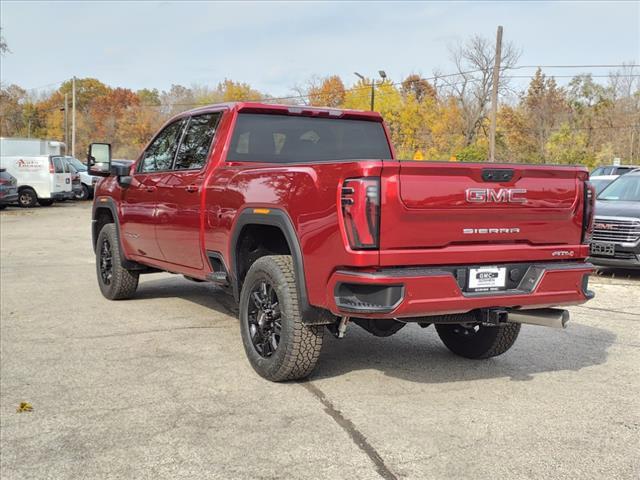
<point>545,317</point>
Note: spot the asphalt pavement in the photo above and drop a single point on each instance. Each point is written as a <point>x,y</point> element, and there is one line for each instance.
<point>158,387</point>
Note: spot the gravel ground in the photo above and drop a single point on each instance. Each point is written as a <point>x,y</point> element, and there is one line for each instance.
<point>159,387</point>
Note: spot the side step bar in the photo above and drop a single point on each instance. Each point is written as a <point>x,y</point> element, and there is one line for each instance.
<point>546,317</point>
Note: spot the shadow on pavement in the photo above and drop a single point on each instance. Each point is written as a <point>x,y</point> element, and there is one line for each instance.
<point>201,293</point>
<point>417,354</point>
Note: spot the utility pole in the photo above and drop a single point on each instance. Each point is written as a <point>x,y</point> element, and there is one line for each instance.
<point>373,94</point>
<point>494,96</point>
<point>66,123</point>
<point>73,117</point>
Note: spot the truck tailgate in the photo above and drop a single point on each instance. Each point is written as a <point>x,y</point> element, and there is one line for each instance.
<point>431,205</point>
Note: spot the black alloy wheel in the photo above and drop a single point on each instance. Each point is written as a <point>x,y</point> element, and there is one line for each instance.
<point>106,262</point>
<point>264,318</point>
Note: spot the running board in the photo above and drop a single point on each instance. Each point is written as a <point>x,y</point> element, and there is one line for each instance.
<point>546,317</point>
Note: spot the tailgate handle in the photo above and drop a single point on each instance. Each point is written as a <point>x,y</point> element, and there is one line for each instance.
<point>497,174</point>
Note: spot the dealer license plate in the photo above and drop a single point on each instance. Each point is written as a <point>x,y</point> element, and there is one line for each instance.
<point>487,279</point>
<point>608,249</point>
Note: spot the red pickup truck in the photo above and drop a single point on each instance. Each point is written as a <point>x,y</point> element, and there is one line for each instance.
<point>305,215</point>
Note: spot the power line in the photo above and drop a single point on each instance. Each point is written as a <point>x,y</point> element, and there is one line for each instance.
<point>392,84</point>
<point>45,86</point>
<point>622,65</point>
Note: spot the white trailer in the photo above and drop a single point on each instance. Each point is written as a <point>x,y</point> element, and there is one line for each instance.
<point>30,147</point>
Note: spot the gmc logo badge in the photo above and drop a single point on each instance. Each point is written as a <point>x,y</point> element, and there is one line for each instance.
<point>604,226</point>
<point>491,195</point>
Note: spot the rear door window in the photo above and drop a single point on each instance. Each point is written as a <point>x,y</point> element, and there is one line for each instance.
<point>293,139</point>
<point>160,154</point>
<point>58,165</point>
<point>196,142</point>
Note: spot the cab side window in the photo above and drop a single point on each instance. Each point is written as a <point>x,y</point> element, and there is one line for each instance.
<point>196,143</point>
<point>160,154</point>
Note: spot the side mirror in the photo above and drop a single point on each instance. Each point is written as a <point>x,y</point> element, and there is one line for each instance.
<point>99,159</point>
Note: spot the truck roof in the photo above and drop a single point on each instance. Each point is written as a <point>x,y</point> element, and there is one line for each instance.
<point>306,110</point>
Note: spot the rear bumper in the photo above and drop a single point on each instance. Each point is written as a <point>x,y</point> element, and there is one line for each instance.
<point>416,292</point>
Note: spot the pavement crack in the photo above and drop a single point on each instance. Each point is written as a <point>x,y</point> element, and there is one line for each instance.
<point>141,332</point>
<point>356,435</point>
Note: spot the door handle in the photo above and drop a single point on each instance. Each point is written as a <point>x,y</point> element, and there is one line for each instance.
<point>150,188</point>
<point>191,188</point>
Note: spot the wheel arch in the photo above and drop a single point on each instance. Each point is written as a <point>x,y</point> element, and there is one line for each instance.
<point>279,219</point>
<point>103,209</point>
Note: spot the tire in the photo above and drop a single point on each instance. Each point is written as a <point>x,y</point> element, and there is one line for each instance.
<point>83,195</point>
<point>2,207</point>
<point>477,341</point>
<point>27,198</point>
<point>277,343</point>
<point>45,202</point>
<point>115,281</point>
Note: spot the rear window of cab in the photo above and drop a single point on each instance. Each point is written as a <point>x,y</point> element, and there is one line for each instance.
<point>292,139</point>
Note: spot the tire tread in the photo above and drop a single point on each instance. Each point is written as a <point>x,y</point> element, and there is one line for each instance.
<point>303,350</point>
<point>124,283</point>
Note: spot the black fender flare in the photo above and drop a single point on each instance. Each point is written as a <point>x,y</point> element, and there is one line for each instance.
<point>278,218</point>
<point>103,203</point>
<point>107,203</point>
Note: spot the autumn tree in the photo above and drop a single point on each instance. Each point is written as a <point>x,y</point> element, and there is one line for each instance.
<point>12,99</point>
<point>545,105</point>
<point>329,92</point>
<point>473,80</point>
<point>417,87</point>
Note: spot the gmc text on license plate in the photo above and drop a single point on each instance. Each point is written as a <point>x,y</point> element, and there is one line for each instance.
<point>487,279</point>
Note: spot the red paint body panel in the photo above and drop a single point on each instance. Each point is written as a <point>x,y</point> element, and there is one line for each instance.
<point>425,205</point>
<point>423,213</point>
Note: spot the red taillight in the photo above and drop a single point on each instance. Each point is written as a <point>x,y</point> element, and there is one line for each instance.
<point>51,170</point>
<point>360,200</point>
<point>587,215</point>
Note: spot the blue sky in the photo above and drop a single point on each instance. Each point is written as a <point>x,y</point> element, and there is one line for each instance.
<point>276,45</point>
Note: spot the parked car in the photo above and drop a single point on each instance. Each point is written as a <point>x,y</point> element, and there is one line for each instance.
<point>616,230</point>
<point>8,189</point>
<point>88,182</point>
<point>123,162</point>
<point>41,179</point>
<point>613,170</point>
<point>307,218</point>
<point>599,182</point>
<point>76,183</point>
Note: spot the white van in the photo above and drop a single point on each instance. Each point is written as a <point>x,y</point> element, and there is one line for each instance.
<point>41,179</point>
